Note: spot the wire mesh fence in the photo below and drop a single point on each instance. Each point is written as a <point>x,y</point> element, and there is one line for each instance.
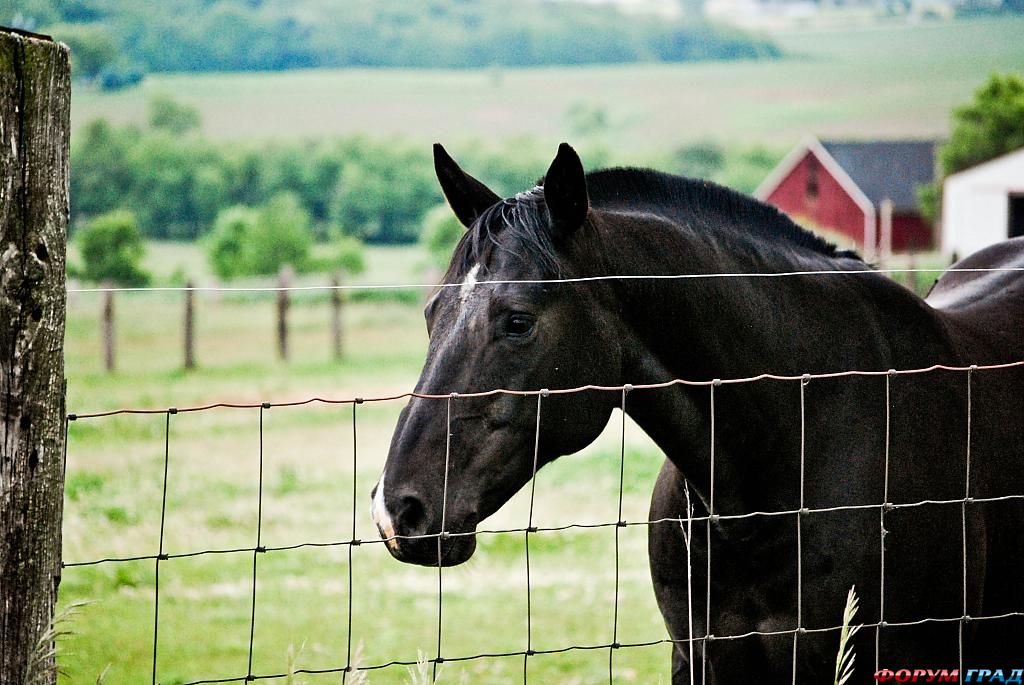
<point>344,654</point>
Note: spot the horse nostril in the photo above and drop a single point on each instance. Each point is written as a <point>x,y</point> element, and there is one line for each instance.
<point>411,516</point>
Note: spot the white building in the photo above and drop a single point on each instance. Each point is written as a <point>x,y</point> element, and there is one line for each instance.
<point>983,205</point>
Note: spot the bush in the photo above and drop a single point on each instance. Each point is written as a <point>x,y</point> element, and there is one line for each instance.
<point>703,159</point>
<point>120,76</point>
<point>258,241</point>
<point>441,233</point>
<point>112,250</point>
<point>281,235</point>
<point>226,244</point>
<point>346,254</point>
<point>172,116</point>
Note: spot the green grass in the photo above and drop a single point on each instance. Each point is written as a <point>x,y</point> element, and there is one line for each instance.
<point>886,80</point>
<point>114,492</point>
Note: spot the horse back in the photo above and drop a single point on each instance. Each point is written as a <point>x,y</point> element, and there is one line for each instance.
<point>984,310</point>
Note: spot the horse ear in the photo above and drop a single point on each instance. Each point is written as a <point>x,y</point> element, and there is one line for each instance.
<point>467,196</point>
<point>565,191</point>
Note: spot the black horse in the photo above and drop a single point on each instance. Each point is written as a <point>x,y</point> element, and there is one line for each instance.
<point>860,447</point>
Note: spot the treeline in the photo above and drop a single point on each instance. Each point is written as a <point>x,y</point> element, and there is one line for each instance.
<point>177,183</point>
<point>233,35</point>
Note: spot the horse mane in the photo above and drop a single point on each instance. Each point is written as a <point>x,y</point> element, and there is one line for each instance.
<point>681,198</point>
<point>522,219</point>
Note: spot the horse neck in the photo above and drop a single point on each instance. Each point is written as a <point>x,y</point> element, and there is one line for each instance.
<point>735,327</point>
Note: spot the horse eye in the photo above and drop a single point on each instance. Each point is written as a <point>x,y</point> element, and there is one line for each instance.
<point>518,325</point>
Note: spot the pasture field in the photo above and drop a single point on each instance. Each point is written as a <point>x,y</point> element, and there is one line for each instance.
<point>114,492</point>
<point>887,80</point>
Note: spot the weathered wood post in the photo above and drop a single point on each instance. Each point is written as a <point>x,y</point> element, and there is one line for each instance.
<point>284,280</point>
<point>190,325</point>
<point>912,264</point>
<point>109,335</point>
<point>885,233</point>
<point>336,315</point>
<point>35,95</point>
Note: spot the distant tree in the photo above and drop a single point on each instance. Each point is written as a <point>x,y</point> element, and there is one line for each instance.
<point>92,47</point>
<point>341,253</point>
<point>164,185</point>
<point>258,242</point>
<point>226,244</point>
<point>990,126</point>
<point>281,235</point>
<point>441,233</point>
<point>383,191</point>
<point>101,155</point>
<point>703,159</point>
<point>168,114</point>
<point>745,168</point>
<point>112,250</point>
<point>120,76</point>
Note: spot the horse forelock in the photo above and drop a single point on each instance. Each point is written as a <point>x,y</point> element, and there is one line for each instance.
<point>517,226</point>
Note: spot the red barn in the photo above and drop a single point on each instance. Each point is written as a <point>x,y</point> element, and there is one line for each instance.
<point>864,191</point>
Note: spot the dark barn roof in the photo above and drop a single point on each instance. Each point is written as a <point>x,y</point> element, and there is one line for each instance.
<point>887,169</point>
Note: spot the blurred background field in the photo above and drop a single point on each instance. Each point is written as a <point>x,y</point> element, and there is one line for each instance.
<point>199,126</point>
<point>875,80</point>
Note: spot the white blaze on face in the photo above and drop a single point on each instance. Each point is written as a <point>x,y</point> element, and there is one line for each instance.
<point>468,284</point>
<point>380,514</point>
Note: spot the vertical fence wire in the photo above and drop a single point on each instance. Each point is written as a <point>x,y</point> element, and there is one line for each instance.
<point>259,545</point>
<point>353,541</point>
<point>708,636</point>
<point>443,534</point>
<point>964,617</point>
<point>619,525</point>
<point>881,518</point>
<point>160,554</point>
<point>799,525</point>
<point>530,529</point>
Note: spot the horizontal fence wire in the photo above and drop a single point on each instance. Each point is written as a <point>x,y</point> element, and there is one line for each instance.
<point>554,391</point>
<point>546,281</point>
<point>686,523</point>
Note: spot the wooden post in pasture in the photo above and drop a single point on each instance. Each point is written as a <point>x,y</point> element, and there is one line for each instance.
<point>284,280</point>
<point>190,326</point>
<point>885,234</point>
<point>35,96</point>
<point>911,266</point>
<point>336,315</point>
<point>107,322</point>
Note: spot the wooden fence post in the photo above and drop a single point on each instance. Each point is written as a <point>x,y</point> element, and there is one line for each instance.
<point>912,263</point>
<point>109,336</point>
<point>336,315</point>
<point>35,95</point>
<point>190,325</point>
<point>284,280</point>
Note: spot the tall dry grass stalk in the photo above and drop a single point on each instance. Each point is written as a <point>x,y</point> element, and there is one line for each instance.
<point>42,663</point>
<point>687,536</point>
<point>845,657</point>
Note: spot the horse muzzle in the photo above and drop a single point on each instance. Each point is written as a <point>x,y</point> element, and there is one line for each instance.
<point>414,536</point>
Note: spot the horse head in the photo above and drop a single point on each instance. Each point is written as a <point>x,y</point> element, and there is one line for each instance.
<point>497,322</point>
